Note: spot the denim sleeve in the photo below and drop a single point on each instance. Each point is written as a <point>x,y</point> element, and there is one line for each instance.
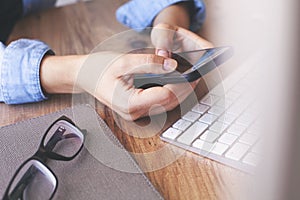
<point>139,14</point>
<point>30,6</point>
<point>20,71</point>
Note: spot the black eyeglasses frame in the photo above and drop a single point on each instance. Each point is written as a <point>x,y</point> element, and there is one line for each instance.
<point>42,154</point>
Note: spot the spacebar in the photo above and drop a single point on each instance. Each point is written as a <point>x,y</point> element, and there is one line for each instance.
<point>192,133</point>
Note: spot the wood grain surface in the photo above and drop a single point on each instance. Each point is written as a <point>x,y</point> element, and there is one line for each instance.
<point>77,29</point>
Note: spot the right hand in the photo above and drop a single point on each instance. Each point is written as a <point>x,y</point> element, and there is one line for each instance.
<point>113,84</point>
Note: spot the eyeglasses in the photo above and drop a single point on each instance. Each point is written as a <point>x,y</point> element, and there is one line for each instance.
<point>34,180</point>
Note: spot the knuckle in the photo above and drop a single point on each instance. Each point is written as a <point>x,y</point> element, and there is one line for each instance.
<point>204,44</point>
<point>153,59</point>
<point>209,45</point>
<point>132,109</point>
<point>133,113</point>
<point>169,97</point>
<point>123,108</point>
<point>149,58</point>
<point>156,59</point>
<point>128,117</point>
<point>133,117</point>
<point>127,113</point>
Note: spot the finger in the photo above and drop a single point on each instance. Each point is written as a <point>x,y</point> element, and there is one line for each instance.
<point>162,37</point>
<point>144,63</point>
<point>159,99</point>
<point>163,53</point>
<point>155,100</point>
<point>141,101</point>
<point>180,93</point>
<point>199,41</point>
<point>138,102</point>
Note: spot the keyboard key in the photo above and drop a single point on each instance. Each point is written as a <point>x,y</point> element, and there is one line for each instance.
<point>224,124</point>
<point>255,108</point>
<point>235,109</point>
<point>182,124</point>
<point>218,90</point>
<point>229,83</point>
<point>216,110</point>
<point>218,127</point>
<point>209,99</point>
<point>255,130</point>
<point>245,119</point>
<point>237,151</point>
<point>248,139</point>
<point>245,100</point>
<point>200,108</point>
<point>240,104</point>
<point>228,138</point>
<point>239,88</point>
<point>227,118</point>
<point>219,148</point>
<point>246,81</point>
<point>236,129</point>
<point>232,95</point>
<point>200,144</point>
<point>258,147</point>
<point>208,118</point>
<point>209,136</point>
<point>192,133</point>
<point>224,102</point>
<point>171,133</point>
<point>191,116</point>
<point>251,159</point>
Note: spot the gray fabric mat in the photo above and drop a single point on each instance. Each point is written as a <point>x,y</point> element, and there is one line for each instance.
<point>102,170</point>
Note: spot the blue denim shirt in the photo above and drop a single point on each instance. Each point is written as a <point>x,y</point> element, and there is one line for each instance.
<point>20,60</point>
<point>139,14</point>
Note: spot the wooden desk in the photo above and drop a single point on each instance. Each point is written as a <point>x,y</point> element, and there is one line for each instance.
<point>77,29</point>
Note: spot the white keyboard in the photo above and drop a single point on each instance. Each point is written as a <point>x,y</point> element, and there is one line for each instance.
<point>223,126</point>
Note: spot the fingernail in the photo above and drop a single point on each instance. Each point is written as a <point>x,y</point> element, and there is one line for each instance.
<point>169,64</point>
<point>162,53</point>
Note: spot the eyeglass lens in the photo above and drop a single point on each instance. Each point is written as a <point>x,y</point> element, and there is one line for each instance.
<point>64,139</point>
<point>34,181</point>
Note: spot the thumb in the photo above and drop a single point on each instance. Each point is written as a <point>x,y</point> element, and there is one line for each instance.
<point>145,63</point>
<point>162,37</point>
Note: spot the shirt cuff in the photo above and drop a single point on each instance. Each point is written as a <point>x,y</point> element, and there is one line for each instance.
<point>198,17</point>
<point>139,14</point>
<point>2,48</point>
<point>20,71</point>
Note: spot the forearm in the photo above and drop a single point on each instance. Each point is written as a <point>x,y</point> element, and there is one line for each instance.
<point>175,15</point>
<point>58,74</point>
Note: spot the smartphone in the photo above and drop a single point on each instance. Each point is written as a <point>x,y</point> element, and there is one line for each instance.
<point>192,65</point>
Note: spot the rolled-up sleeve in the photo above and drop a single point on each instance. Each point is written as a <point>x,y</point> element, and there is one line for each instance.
<point>139,14</point>
<point>20,71</point>
<point>2,47</point>
<point>31,6</point>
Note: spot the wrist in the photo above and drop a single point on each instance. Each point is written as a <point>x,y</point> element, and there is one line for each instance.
<point>175,15</point>
<point>58,74</point>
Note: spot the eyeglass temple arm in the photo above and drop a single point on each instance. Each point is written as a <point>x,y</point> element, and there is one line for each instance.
<point>23,183</point>
<point>30,173</point>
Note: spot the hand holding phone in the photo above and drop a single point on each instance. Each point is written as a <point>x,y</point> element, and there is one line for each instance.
<point>192,65</point>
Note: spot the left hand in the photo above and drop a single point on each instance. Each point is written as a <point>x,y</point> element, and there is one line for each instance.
<point>169,38</point>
